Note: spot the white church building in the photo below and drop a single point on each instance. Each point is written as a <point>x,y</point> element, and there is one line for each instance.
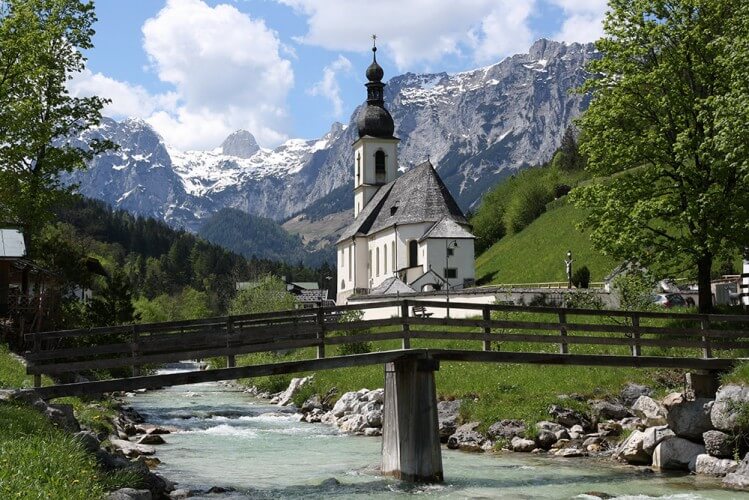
<point>408,233</point>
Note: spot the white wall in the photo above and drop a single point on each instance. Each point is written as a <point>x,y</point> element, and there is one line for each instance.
<point>462,259</point>
<point>366,183</point>
<point>437,312</point>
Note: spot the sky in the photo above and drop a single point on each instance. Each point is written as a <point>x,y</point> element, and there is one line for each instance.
<point>197,70</point>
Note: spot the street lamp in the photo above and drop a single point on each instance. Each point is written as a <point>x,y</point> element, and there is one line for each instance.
<point>448,246</point>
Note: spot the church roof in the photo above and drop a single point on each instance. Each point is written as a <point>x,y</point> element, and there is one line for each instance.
<point>391,285</point>
<point>447,228</point>
<point>417,196</point>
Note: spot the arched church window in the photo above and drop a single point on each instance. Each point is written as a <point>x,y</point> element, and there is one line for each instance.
<point>343,285</point>
<point>358,167</point>
<point>413,253</point>
<point>380,172</point>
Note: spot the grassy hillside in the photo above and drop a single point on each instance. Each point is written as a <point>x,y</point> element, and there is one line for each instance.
<point>537,253</point>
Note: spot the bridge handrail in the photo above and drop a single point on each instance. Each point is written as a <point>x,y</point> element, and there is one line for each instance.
<point>311,313</point>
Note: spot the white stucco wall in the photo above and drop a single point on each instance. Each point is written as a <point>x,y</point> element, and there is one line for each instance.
<point>462,259</point>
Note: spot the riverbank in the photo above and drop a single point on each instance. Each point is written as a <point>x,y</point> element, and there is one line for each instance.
<point>230,438</point>
<point>685,431</point>
<point>61,450</point>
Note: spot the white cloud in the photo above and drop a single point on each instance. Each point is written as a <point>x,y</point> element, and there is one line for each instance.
<point>328,87</point>
<point>418,32</point>
<point>226,68</point>
<point>127,100</point>
<point>583,20</point>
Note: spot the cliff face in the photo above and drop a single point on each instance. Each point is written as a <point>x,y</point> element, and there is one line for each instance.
<point>476,127</point>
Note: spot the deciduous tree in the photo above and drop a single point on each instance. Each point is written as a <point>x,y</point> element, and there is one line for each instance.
<point>664,134</point>
<point>40,123</point>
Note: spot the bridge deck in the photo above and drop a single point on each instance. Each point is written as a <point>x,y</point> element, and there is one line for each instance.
<point>310,365</point>
<point>601,338</point>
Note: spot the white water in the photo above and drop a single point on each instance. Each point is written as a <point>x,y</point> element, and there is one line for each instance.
<point>229,439</point>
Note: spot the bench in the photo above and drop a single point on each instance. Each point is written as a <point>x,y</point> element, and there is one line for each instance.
<point>421,312</point>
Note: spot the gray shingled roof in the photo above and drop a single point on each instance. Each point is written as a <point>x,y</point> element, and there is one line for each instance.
<point>447,228</point>
<point>391,285</point>
<point>417,196</point>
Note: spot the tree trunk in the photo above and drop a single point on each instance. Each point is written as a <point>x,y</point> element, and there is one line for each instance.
<point>704,268</point>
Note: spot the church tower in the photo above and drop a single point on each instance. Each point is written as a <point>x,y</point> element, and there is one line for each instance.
<point>376,150</point>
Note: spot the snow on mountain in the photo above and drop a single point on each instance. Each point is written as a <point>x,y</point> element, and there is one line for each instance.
<point>207,172</point>
<point>476,127</point>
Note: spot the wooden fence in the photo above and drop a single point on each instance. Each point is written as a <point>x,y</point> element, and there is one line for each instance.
<point>518,333</point>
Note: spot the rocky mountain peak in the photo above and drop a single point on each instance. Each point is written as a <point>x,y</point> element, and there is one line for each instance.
<point>241,144</point>
<point>477,127</point>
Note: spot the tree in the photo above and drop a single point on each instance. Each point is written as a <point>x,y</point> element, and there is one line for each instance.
<point>40,123</point>
<point>267,295</point>
<point>674,198</point>
<point>113,304</point>
<point>568,157</point>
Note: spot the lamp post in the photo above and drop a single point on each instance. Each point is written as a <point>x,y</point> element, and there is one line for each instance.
<point>448,246</point>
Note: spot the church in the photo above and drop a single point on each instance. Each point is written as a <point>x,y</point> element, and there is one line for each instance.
<point>408,234</point>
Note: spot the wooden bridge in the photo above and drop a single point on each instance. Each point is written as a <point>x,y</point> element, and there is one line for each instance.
<point>411,346</point>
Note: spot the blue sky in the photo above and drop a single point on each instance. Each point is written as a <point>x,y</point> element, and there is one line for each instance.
<point>198,69</point>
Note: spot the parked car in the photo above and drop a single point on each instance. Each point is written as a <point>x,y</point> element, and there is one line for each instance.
<point>669,300</point>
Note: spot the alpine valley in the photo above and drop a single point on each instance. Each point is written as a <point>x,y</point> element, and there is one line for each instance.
<point>476,127</point>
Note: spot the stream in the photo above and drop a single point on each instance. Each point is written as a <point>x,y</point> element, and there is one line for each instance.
<point>227,438</point>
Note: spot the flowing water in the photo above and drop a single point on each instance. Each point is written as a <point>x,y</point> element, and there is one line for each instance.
<point>227,438</point>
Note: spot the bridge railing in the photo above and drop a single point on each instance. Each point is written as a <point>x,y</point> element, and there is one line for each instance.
<point>664,335</point>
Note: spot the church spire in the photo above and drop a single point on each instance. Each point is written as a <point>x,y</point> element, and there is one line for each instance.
<point>374,120</point>
<point>374,75</point>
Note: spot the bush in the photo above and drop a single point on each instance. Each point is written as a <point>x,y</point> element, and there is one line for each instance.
<point>581,277</point>
<point>352,347</point>
<point>268,295</point>
<point>635,288</point>
<point>526,205</point>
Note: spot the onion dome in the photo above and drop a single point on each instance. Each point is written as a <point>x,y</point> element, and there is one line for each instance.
<point>375,121</point>
<point>374,71</point>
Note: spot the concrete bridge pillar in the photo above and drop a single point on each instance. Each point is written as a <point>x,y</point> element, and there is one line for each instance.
<point>410,435</point>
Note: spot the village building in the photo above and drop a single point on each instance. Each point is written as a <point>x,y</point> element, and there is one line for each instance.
<point>408,233</point>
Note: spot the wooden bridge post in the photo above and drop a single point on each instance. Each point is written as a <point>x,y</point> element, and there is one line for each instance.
<point>707,351</point>
<point>406,326</point>
<point>563,346</point>
<point>231,359</point>
<point>636,348</point>
<point>321,333</point>
<point>135,349</point>
<point>36,348</point>
<point>410,435</point>
<point>487,329</point>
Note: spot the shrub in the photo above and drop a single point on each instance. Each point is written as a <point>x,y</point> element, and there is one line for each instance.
<point>528,202</point>
<point>352,347</point>
<point>581,277</point>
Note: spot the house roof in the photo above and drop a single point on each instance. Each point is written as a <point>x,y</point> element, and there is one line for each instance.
<point>391,285</point>
<point>417,196</point>
<point>12,245</point>
<point>307,296</point>
<point>447,228</point>
<point>307,285</point>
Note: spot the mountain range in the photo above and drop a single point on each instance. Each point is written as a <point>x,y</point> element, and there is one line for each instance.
<point>476,127</point>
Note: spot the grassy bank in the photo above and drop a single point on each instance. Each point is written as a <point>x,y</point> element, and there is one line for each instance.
<point>37,460</point>
<point>537,253</point>
<point>494,391</point>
